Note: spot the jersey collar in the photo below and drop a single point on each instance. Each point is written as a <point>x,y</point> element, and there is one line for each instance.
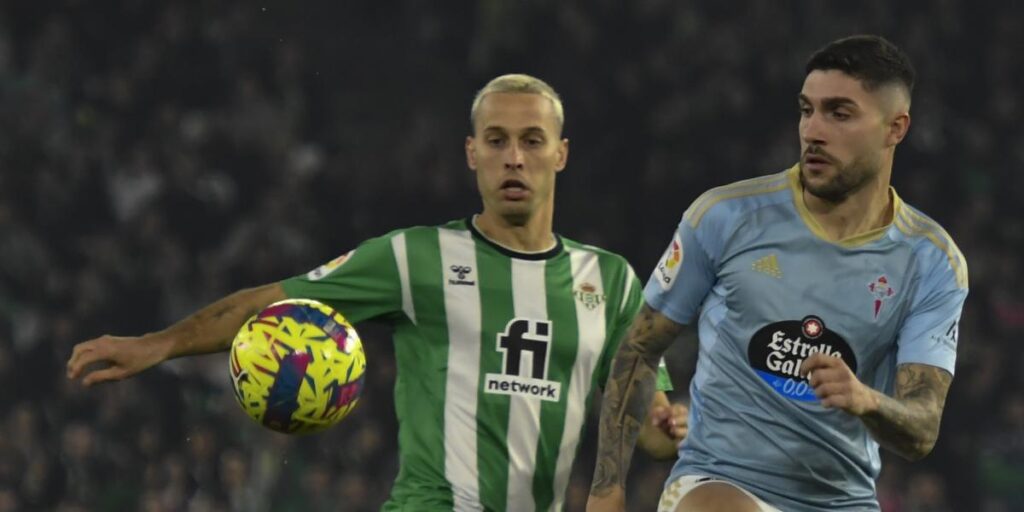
<point>815,227</point>
<point>546,254</point>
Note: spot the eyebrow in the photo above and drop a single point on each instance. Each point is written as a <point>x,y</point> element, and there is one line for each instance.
<point>528,129</point>
<point>832,102</point>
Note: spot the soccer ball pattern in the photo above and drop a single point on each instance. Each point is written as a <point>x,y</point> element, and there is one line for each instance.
<point>297,367</point>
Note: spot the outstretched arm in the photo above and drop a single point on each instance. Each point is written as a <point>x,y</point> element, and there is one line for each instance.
<point>210,329</point>
<point>627,395</point>
<point>906,423</point>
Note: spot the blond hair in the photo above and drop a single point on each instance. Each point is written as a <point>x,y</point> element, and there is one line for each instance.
<point>519,84</point>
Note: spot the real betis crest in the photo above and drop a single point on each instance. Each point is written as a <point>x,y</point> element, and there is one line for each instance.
<point>587,294</point>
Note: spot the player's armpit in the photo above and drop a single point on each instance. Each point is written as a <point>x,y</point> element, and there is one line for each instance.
<point>908,423</point>
<point>627,396</point>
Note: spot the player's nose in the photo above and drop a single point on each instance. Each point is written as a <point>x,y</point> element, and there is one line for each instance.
<point>514,157</point>
<point>811,129</point>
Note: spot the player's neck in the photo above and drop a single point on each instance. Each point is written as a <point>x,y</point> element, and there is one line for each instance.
<point>534,236</point>
<point>868,209</point>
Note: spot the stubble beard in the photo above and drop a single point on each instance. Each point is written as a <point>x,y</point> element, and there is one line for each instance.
<point>847,180</point>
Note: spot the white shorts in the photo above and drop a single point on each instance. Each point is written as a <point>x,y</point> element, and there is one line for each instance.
<point>679,487</point>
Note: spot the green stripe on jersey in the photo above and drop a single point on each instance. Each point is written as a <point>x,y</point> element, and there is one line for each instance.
<point>421,353</point>
<point>561,305</point>
<point>495,273</point>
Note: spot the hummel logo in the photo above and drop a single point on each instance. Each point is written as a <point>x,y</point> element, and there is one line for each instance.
<point>461,271</point>
<point>768,265</point>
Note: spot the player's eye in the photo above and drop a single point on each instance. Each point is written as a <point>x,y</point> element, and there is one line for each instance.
<point>534,141</point>
<point>495,141</point>
<point>840,115</point>
<point>805,110</point>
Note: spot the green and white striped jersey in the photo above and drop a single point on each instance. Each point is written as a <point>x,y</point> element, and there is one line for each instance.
<point>497,355</point>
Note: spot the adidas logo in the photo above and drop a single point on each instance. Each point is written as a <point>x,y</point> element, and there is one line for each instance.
<point>768,265</point>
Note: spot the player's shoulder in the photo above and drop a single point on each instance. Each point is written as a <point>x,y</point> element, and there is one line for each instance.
<point>611,260</point>
<point>741,197</point>
<point>575,245</point>
<point>931,242</point>
<point>420,230</point>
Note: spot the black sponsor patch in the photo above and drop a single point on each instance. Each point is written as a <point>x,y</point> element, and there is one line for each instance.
<point>777,350</point>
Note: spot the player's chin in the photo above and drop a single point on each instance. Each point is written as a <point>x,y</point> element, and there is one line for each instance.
<point>817,173</point>
<point>516,213</point>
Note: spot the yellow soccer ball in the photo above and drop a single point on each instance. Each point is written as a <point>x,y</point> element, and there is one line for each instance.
<point>297,367</point>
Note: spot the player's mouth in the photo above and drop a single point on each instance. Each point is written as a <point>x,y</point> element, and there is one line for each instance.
<point>815,162</point>
<point>514,190</point>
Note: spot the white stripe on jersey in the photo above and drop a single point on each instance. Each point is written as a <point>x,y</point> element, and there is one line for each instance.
<point>630,279</point>
<point>462,309</point>
<point>591,326</point>
<point>398,247</point>
<point>529,300</point>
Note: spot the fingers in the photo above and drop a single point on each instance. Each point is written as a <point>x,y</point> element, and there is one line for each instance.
<point>834,396</point>
<point>106,374</point>
<point>680,421</point>
<point>819,361</point>
<point>85,354</point>
<point>660,414</point>
<point>672,420</point>
<point>820,376</point>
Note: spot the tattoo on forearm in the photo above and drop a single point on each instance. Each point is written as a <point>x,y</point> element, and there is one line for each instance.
<point>212,328</point>
<point>627,395</point>
<point>908,423</point>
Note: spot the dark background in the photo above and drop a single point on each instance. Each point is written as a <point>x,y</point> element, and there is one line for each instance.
<point>155,156</point>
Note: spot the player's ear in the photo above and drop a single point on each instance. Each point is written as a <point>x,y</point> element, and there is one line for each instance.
<point>563,155</point>
<point>471,152</point>
<point>898,127</point>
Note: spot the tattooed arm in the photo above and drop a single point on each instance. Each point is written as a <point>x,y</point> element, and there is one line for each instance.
<point>210,329</point>
<point>627,395</point>
<point>907,423</point>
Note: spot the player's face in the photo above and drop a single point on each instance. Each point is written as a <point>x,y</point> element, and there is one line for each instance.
<point>843,134</point>
<point>515,151</point>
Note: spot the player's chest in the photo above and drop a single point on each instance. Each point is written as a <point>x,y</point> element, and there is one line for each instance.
<point>852,292</point>
<point>529,317</point>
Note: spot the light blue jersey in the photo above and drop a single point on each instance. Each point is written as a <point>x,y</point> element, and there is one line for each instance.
<point>752,267</point>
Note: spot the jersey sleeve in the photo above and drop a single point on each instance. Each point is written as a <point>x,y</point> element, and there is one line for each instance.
<point>929,334</point>
<point>630,305</point>
<point>361,284</point>
<point>687,271</point>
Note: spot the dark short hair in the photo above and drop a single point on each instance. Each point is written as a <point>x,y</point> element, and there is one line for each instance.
<point>871,59</point>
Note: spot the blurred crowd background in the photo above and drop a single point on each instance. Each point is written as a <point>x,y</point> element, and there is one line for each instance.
<point>155,156</point>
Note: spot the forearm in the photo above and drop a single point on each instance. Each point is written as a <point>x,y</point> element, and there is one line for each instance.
<point>628,394</point>
<point>909,423</point>
<point>212,328</point>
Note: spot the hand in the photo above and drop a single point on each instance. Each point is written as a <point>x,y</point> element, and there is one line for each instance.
<point>615,501</point>
<point>836,385</point>
<point>672,420</point>
<point>125,356</point>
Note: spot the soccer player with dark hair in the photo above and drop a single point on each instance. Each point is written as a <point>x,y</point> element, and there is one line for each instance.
<point>826,310</point>
<point>502,328</point>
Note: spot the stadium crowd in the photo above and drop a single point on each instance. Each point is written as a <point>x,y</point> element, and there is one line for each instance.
<point>154,157</point>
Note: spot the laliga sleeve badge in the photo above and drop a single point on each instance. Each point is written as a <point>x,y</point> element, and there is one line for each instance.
<point>668,267</point>
<point>325,270</point>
